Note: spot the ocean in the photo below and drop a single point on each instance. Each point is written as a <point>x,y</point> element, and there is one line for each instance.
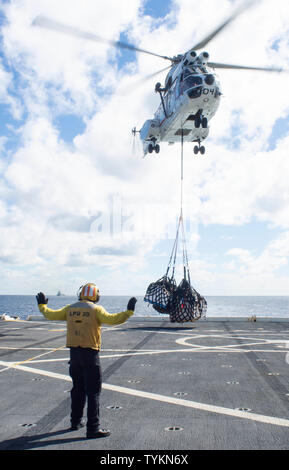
<point>218,306</point>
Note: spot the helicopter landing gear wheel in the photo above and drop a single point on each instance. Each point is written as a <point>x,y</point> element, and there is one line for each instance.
<point>200,120</point>
<point>199,148</point>
<point>153,147</point>
<point>150,148</point>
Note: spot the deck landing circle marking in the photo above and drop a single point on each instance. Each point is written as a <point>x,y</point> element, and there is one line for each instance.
<point>183,341</point>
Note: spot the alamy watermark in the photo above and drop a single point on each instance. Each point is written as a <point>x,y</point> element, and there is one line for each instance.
<point>148,221</point>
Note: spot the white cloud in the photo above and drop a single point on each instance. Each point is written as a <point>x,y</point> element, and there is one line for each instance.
<point>247,185</point>
<point>264,266</point>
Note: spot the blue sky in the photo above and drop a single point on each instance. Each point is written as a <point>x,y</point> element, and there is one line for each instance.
<point>69,173</point>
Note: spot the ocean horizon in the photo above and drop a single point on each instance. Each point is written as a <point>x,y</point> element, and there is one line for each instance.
<point>218,306</point>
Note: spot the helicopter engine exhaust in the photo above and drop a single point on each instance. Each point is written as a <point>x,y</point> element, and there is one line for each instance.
<point>203,58</point>
<point>190,57</point>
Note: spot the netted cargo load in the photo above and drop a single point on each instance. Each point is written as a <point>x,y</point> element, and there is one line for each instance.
<point>158,293</point>
<point>186,304</point>
<point>182,303</point>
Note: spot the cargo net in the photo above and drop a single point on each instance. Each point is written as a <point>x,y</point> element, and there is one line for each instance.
<point>183,303</point>
<point>186,304</point>
<point>158,293</point>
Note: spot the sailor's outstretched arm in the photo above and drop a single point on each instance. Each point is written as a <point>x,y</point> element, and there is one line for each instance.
<point>48,312</point>
<point>116,318</point>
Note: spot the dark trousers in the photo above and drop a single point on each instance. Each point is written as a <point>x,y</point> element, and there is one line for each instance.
<point>85,372</point>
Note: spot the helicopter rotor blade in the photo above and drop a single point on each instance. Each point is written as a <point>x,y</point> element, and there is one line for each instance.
<point>152,75</point>
<point>47,23</point>
<point>216,65</point>
<point>127,89</point>
<point>214,33</point>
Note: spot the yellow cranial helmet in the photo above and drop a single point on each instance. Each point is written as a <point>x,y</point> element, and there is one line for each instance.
<point>89,292</point>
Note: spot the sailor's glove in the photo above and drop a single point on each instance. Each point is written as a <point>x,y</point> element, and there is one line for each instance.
<point>131,304</point>
<point>41,299</point>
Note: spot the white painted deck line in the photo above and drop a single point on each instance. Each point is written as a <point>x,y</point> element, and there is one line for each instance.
<point>165,399</point>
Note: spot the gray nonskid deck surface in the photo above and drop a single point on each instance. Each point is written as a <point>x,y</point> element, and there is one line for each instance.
<point>207,385</point>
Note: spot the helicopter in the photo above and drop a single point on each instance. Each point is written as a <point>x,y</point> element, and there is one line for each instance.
<point>189,99</point>
<point>191,93</point>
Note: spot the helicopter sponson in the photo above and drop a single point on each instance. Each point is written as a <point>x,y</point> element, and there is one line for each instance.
<point>150,135</point>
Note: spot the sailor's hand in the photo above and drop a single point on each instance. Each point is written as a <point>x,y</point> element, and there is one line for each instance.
<point>41,299</point>
<point>131,304</point>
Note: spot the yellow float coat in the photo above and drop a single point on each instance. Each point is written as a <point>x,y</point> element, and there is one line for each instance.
<point>84,320</point>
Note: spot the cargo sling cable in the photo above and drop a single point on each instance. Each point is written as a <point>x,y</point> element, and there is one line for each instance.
<point>183,303</point>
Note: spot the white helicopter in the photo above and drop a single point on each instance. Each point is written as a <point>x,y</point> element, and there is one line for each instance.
<point>189,99</point>
<point>191,94</point>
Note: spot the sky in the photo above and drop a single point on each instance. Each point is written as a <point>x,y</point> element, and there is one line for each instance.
<point>79,203</point>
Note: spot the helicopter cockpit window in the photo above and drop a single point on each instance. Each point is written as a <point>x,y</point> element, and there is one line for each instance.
<point>192,81</point>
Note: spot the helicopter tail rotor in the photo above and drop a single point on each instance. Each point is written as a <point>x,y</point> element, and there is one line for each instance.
<point>136,145</point>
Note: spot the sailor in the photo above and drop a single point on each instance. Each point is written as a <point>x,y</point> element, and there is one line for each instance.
<point>84,319</point>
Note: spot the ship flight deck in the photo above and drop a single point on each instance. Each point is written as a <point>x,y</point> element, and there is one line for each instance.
<point>208,385</point>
